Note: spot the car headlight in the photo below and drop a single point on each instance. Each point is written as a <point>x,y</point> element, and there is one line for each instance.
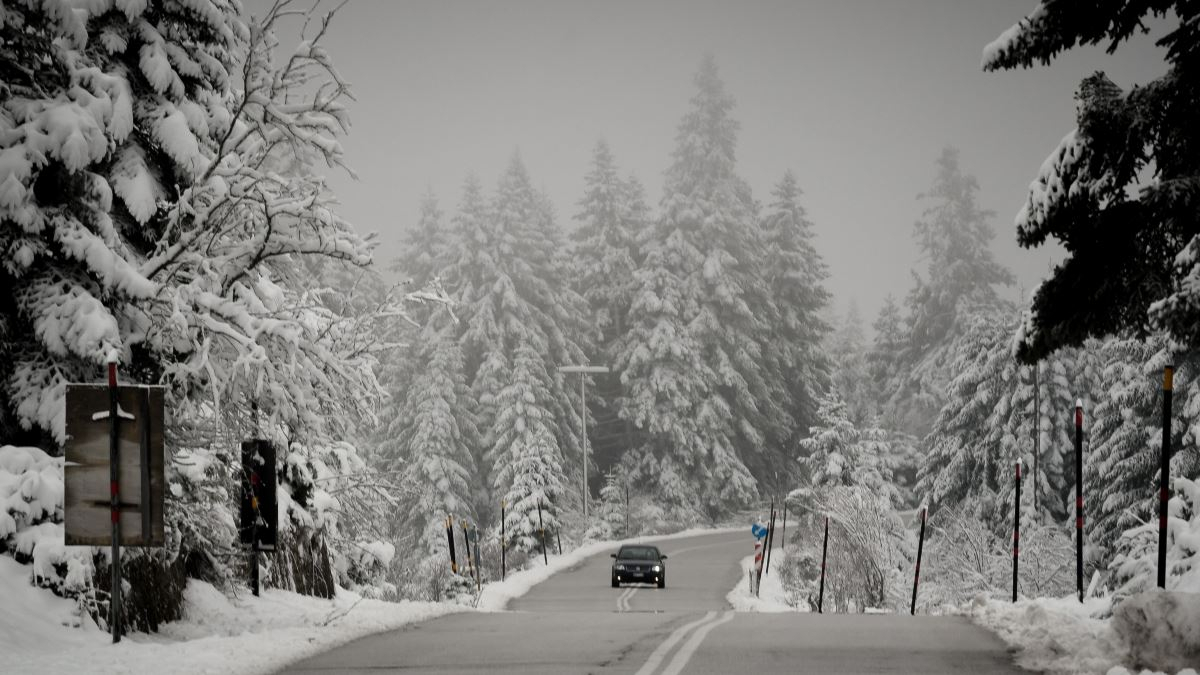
<point>620,568</point>
<point>657,568</point>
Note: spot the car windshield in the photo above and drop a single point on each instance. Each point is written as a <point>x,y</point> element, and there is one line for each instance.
<point>638,553</point>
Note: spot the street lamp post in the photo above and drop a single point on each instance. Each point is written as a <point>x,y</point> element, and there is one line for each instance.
<point>583,372</point>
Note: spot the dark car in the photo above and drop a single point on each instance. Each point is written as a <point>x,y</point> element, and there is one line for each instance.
<point>641,564</point>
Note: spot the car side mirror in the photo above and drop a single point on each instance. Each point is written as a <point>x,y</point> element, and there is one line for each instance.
<point>662,557</point>
<point>612,555</point>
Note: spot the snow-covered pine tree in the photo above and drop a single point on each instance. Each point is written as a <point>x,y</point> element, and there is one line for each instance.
<point>528,461</point>
<point>1130,160</point>
<point>613,218</point>
<point>883,358</point>
<point>847,348</point>
<point>435,437</point>
<point>954,236</point>
<point>691,362</point>
<point>155,204</point>
<point>837,453</point>
<point>511,282</point>
<point>423,253</point>
<point>794,274</point>
<point>964,465</point>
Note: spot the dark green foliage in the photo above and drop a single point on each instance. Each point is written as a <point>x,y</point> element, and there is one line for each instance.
<point>1121,193</point>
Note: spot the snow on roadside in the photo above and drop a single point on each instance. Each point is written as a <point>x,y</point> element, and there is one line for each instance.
<point>496,595</point>
<point>217,634</point>
<point>1058,636</point>
<point>771,596</point>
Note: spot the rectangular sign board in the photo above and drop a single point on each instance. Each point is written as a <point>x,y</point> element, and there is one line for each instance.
<point>259,524</point>
<point>87,499</point>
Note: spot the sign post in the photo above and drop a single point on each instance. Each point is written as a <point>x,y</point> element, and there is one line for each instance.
<point>114,473</point>
<point>259,526</point>
<point>503,545</point>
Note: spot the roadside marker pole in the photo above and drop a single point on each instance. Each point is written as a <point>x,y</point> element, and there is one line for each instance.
<point>1164,476</point>
<point>1016,530</point>
<point>469,567</point>
<point>770,537</point>
<point>114,473</point>
<point>824,552</point>
<point>542,535</point>
<point>783,535</point>
<point>450,539</point>
<point>917,573</point>
<point>558,538</point>
<point>1079,497</point>
<point>503,545</point>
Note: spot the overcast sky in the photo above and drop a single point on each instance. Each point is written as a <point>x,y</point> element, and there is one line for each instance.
<point>857,97</point>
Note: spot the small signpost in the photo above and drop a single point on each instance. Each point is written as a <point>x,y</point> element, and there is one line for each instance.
<point>259,526</point>
<point>113,484</point>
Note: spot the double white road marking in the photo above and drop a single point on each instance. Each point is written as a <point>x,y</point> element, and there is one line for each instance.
<point>623,600</point>
<point>698,629</point>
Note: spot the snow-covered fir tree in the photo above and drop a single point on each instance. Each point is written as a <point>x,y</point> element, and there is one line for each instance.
<point>527,459</point>
<point>1126,162</point>
<point>883,358</point>
<point>953,235</point>
<point>847,349</point>
<point>613,218</point>
<point>434,436</point>
<point>794,274</point>
<point>423,257</point>
<point>691,361</point>
<point>838,453</point>
<point>157,206</point>
<point>508,272</point>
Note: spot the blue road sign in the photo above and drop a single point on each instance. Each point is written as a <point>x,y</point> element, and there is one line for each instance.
<point>759,531</point>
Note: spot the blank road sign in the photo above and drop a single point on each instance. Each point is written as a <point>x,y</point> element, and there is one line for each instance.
<point>88,504</point>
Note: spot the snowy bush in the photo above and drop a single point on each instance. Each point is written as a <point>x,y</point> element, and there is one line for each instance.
<point>1135,567</point>
<point>800,575</point>
<point>869,558</point>
<point>964,558</point>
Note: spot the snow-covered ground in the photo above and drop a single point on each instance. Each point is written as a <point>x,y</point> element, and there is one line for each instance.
<point>1061,636</point>
<point>41,633</point>
<point>771,596</point>
<point>216,635</point>
<point>496,595</point>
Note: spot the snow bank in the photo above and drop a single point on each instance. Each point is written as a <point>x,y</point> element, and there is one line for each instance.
<point>771,596</point>
<point>1061,636</point>
<point>496,595</point>
<point>41,633</point>
<point>1160,629</point>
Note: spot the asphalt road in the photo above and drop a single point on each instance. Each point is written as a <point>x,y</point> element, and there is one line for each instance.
<point>577,623</point>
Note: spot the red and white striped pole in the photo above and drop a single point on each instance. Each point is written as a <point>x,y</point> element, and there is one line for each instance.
<point>1079,497</point>
<point>1016,529</point>
<point>917,571</point>
<point>756,574</point>
<point>1164,476</point>
<point>824,552</point>
<point>114,477</point>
